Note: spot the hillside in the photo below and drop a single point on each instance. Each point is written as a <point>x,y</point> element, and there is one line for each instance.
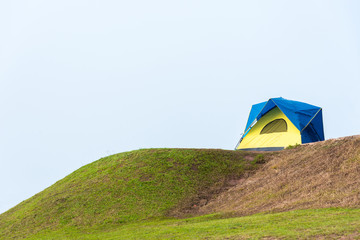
<point>123,192</point>
<point>318,175</point>
<point>129,187</point>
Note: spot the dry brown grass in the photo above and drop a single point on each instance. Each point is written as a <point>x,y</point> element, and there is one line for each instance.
<point>319,175</point>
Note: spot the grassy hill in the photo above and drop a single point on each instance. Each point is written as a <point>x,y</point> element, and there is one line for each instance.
<point>200,193</point>
<point>128,187</point>
<point>319,175</point>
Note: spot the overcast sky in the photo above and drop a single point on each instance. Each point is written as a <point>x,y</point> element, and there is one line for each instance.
<point>82,79</point>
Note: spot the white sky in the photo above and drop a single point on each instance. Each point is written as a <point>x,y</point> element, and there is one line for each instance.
<point>80,80</point>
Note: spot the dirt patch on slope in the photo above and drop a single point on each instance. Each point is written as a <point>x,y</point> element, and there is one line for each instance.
<point>190,206</point>
<point>318,175</point>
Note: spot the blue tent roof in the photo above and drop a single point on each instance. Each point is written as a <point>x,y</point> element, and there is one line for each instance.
<point>306,118</point>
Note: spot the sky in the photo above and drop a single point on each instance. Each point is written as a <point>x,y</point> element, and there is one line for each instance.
<point>83,79</point>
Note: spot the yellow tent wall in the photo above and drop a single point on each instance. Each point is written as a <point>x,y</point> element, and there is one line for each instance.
<point>276,139</point>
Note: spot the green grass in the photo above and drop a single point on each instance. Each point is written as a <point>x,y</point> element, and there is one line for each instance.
<point>154,194</point>
<point>124,188</point>
<point>293,146</point>
<point>328,223</point>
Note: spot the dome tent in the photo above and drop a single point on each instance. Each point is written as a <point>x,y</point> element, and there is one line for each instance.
<point>278,123</point>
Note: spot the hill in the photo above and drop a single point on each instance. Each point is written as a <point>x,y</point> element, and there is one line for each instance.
<point>318,175</point>
<point>128,187</point>
<point>138,189</point>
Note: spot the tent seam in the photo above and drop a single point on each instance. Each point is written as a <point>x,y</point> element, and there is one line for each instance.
<point>311,120</point>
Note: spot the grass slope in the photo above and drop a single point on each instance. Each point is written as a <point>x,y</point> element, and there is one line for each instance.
<point>141,194</point>
<point>128,187</point>
<point>332,223</point>
<point>320,175</point>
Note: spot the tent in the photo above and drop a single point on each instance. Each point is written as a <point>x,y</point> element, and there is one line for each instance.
<point>278,123</point>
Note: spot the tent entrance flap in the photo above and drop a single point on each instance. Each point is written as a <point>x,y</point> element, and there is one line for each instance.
<point>277,125</point>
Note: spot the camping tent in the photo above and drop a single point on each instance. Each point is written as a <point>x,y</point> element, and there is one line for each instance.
<point>278,123</point>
